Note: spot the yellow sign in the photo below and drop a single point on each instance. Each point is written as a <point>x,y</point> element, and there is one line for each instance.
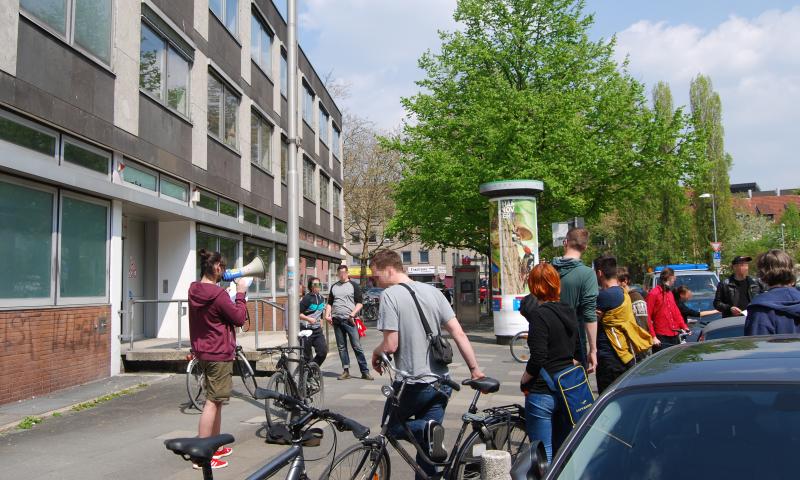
<point>356,272</point>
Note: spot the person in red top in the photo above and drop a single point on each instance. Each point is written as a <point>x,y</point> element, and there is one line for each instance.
<point>663,315</point>
<point>212,321</point>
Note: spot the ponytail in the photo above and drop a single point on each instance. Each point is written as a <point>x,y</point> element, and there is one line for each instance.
<point>207,261</point>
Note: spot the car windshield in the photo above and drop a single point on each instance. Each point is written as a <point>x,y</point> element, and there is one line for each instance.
<point>374,291</point>
<point>698,283</point>
<point>725,332</point>
<point>731,432</point>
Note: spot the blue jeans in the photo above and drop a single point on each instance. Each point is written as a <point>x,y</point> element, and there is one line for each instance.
<point>546,420</point>
<point>343,330</point>
<point>422,402</point>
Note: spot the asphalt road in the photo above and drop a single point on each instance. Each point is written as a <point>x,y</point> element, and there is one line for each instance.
<point>123,438</point>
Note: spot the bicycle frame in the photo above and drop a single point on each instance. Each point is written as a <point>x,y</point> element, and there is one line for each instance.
<point>472,417</point>
<point>293,455</point>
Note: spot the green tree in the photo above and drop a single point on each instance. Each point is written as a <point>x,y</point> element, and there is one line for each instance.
<point>707,120</point>
<point>521,92</point>
<point>791,231</point>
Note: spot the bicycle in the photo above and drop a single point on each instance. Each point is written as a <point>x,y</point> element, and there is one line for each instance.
<point>306,384</point>
<point>519,347</point>
<point>201,450</point>
<point>195,377</point>
<point>499,428</point>
<point>370,311</point>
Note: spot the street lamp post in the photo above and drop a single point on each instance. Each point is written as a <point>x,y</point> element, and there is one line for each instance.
<point>293,223</point>
<point>714,216</point>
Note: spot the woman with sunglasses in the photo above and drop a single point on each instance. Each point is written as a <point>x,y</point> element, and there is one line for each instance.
<point>311,307</point>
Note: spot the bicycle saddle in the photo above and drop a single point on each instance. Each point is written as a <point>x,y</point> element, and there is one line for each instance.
<point>198,448</point>
<point>485,384</point>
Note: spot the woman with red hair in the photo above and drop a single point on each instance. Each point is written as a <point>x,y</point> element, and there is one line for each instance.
<point>554,344</point>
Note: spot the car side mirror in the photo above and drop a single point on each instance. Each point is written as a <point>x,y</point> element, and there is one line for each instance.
<point>531,463</point>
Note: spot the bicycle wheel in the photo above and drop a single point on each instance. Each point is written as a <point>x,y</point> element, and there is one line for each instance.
<point>276,411</point>
<point>313,387</point>
<point>195,379</point>
<point>508,436</point>
<point>519,347</point>
<point>356,462</point>
<point>246,372</point>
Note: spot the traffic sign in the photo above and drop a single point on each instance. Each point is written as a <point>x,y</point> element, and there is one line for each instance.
<point>716,246</point>
<point>717,257</point>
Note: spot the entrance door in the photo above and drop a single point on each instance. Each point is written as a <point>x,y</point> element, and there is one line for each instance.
<point>133,274</point>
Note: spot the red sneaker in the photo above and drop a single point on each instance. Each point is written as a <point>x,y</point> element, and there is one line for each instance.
<point>215,463</point>
<point>223,452</point>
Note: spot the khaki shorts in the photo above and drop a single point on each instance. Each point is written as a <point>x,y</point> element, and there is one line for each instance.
<point>218,380</point>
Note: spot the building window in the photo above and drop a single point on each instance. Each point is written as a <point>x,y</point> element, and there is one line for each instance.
<point>284,159</point>
<point>249,252</point>
<point>284,73</point>
<point>87,156</point>
<point>174,189</point>
<point>280,226</point>
<point>223,106</point>
<point>27,134</point>
<point>308,106</point>
<point>280,270</point>
<point>164,70</point>
<point>227,11</point>
<point>142,177</point>
<point>444,257</point>
<point>335,141</point>
<point>218,204</point>
<point>355,237</point>
<point>261,44</point>
<point>323,126</point>
<point>85,24</point>
<point>261,142</point>
<point>337,196</point>
<point>406,256</point>
<point>26,228</point>
<point>257,218</point>
<point>227,246</point>
<point>324,187</point>
<point>423,256</point>
<point>83,249</point>
<point>308,179</point>
<point>356,260</point>
<point>373,237</point>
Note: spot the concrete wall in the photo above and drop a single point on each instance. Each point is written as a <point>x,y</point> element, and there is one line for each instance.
<point>176,266</point>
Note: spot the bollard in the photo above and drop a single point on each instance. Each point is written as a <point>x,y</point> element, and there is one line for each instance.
<point>495,465</point>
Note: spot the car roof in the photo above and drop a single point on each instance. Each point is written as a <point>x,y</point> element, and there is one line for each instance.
<point>724,323</point>
<point>773,358</point>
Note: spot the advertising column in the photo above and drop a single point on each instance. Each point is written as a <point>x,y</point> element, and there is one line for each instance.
<point>514,250</point>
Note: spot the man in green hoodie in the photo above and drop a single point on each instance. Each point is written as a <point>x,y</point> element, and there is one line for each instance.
<point>579,290</point>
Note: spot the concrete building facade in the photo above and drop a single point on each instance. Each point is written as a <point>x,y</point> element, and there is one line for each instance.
<point>132,134</point>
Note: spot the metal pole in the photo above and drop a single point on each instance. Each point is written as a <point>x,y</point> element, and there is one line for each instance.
<point>180,322</point>
<point>257,322</point>
<point>714,214</point>
<point>783,238</point>
<point>132,308</point>
<point>293,247</point>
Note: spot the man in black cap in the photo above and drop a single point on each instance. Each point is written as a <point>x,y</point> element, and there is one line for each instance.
<point>736,292</point>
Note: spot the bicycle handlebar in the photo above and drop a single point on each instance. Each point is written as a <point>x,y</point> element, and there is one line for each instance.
<point>342,423</point>
<point>278,349</point>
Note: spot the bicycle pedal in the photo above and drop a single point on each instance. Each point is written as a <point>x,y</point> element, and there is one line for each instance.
<point>434,441</point>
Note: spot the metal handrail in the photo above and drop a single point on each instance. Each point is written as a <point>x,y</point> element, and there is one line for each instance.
<point>272,304</point>
<point>131,313</point>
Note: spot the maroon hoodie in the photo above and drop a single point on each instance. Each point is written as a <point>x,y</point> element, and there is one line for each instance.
<point>212,317</point>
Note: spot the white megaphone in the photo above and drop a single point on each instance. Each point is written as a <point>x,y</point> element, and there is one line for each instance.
<point>256,268</point>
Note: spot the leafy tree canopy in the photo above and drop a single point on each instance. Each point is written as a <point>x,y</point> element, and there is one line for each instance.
<point>521,92</point>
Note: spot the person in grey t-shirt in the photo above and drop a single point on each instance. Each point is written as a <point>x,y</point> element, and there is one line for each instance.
<point>344,303</point>
<point>404,336</point>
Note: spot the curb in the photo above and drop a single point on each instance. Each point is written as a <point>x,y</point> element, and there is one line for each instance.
<point>12,427</point>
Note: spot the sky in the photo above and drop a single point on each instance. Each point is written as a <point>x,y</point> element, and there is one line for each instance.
<point>750,49</point>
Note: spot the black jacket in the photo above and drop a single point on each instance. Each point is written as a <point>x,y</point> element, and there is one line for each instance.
<point>552,338</point>
<point>728,294</point>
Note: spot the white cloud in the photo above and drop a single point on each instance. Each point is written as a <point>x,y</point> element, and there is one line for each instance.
<point>373,45</point>
<point>754,65</point>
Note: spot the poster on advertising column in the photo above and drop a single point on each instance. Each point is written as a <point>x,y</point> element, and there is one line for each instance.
<point>514,245</point>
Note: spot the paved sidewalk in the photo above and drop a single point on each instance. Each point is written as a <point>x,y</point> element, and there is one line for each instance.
<point>12,414</point>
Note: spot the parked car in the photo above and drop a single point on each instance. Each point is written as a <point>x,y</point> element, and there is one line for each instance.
<point>373,294</point>
<point>727,327</point>
<point>724,409</point>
